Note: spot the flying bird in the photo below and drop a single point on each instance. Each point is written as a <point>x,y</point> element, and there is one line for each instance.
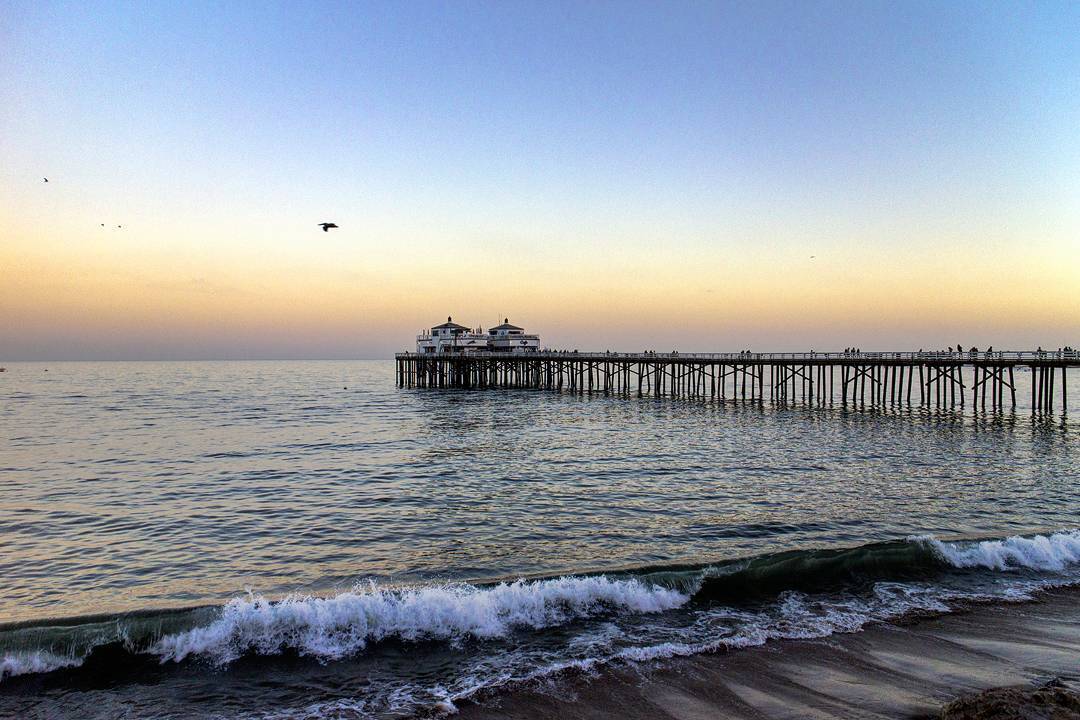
<point>45,179</point>
<point>326,226</point>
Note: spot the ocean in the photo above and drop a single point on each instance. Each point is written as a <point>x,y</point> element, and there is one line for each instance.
<point>306,540</point>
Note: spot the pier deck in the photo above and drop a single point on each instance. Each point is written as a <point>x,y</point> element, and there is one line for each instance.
<point>927,379</point>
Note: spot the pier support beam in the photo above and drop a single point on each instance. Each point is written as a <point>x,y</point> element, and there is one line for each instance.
<point>868,380</point>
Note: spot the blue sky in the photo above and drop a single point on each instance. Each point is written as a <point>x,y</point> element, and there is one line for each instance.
<point>588,143</point>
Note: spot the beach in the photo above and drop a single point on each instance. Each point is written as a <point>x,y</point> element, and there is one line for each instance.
<point>905,670</point>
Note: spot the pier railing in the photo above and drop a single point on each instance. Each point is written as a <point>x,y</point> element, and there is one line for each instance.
<point>966,357</point>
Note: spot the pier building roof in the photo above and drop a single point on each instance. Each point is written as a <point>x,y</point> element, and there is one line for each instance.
<point>449,325</point>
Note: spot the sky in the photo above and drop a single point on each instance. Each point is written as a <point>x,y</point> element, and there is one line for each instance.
<point>716,176</point>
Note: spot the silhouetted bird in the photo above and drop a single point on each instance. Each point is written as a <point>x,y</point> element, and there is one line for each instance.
<point>326,226</point>
<point>45,179</point>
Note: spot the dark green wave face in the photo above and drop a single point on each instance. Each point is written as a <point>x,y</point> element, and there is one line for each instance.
<point>819,571</point>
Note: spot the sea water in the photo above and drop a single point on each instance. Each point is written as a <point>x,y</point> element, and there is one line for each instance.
<point>304,539</point>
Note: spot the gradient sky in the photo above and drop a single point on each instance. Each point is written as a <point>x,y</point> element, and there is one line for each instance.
<point>612,175</point>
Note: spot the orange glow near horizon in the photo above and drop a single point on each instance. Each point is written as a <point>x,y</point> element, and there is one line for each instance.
<point>119,298</point>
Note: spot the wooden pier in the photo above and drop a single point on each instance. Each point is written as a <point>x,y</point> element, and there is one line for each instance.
<point>874,379</point>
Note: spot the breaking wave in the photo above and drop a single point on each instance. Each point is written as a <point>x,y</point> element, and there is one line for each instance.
<point>793,594</point>
<point>1044,553</point>
<point>37,661</point>
<point>859,568</point>
<point>332,628</point>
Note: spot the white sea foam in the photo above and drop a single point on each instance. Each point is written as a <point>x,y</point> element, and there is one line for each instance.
<point>1045,553</point>
<point>34,662</point>
<point>336,627</point>
<point>794,616</point>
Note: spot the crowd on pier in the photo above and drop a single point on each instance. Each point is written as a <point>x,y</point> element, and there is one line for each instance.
<point>957,351</point>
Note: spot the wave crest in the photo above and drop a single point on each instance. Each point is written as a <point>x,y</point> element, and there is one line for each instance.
<point>339,626</point>
<point>1045,553</point>
<point>34,662</point>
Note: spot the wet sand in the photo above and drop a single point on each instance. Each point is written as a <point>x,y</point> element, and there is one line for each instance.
<point>885,671</point>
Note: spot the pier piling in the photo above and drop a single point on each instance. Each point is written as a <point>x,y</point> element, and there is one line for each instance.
<point>866,379</point>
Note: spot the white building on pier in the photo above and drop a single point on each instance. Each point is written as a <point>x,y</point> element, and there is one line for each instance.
<point>511,338</point>
<point>451,337</point>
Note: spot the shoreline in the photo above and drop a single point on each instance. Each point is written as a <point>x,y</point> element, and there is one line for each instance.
<point>907,670</point>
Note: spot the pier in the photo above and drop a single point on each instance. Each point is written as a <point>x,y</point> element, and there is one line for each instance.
<point>866,379</point>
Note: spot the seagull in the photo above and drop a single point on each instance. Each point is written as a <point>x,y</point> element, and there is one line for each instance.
<point>326,226</point>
